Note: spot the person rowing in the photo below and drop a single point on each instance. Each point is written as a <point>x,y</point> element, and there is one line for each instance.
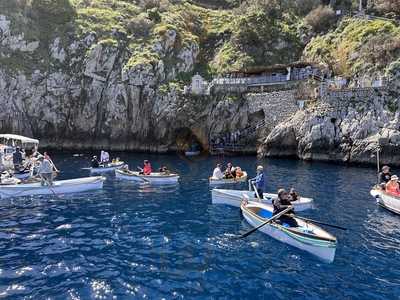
<point>45,171</point>
<point>281,203</point>
<point>259,182</point>
<point>384,176</point>
<point>47,156</point>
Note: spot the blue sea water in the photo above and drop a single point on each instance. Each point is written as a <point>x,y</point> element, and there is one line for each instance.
<point>132,241</point>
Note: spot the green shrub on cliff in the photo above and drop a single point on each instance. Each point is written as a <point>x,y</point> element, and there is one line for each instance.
<point>357,46</point>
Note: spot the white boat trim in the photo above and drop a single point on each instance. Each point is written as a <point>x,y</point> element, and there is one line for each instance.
<point>321,244</point>
<point>153,178</point>
<point>214,181</point>
<point>110,167</point>
<point>58,187</point>
<point>234,198</point>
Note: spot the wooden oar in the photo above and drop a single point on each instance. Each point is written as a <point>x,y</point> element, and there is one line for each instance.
<point>266,222</point>
<point>49,187</point>
<point>318,222</point>
<point>255,189</point>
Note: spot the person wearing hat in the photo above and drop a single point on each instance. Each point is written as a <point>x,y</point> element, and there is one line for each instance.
<point>259,182</point>
<point>384,176</point>
<point>392,187</point>
<point>45,171</point>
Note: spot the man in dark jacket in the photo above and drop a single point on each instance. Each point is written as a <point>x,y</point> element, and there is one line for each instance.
<point>280,204</point>
<point>384,176</point>
<point>17,158</point>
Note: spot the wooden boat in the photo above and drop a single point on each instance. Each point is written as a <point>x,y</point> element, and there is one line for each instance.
<point>215,181</point>
<point>386,200</point>
<point>106,168</point>
<point>153,178</point>
<point>306,236</point>
<point>59,187</point>
<point>234,198</point>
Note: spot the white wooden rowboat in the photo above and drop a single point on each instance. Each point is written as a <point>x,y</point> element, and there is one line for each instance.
<point>386,200</point>
<point>234,198</point>
<point>106,168</point>
<point>153,178</point>
<point>306,236</point>
<point>215,181</point>
<point>58,187</point>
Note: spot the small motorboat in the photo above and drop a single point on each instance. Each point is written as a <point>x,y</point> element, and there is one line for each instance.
<point>109,167</point>
<point>306,236</point>
<point>234,198</point>
<point>389,201</point>
<point>216,181</point>
<point>153,178</point>
<point>59,187</point>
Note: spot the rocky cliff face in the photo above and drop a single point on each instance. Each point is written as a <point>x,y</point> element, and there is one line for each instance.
<point>343,128</point>
<point>87,98</point>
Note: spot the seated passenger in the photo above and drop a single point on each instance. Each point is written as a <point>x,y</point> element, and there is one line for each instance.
<point>392,187</point>
<point>164,170</point>
<point>293,195</point>
<point>146,168</point>
<point>217,173</point>
<point>239,172</point>
<point>94,162</point>
<point>104,157</point>
<point>229,172</point>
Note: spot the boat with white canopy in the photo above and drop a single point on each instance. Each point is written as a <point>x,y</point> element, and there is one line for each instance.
<point>59,187</point>
<point>305,236</point>
<point>153,178</point>
<point>234,198</point>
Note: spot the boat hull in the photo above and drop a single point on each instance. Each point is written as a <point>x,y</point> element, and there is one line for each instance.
<point>323,250</point>
<point>110,168</point>
<point>154,178</point>
<point>228,181</point>
<point>59,187</point>
<point>387,201</point>
<point>234,198</point>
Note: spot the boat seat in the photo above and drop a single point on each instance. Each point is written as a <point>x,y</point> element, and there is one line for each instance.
<point>267,214</point>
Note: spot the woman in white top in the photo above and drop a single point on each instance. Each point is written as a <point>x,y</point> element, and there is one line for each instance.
<point>217,174</point>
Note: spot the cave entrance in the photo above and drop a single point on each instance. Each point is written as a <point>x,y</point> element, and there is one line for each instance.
<point>186,140</point>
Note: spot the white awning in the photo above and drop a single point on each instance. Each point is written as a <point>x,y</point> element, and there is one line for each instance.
<point>20,138</point>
